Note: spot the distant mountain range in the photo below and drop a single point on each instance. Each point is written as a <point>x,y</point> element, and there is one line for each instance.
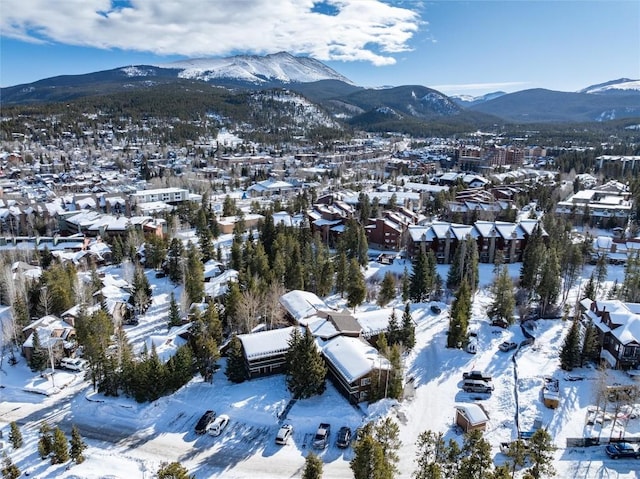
<point>358,106</point>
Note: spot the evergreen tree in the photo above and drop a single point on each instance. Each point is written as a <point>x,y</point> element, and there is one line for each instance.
<point>459,317</point>
<point>541,451</point>
<point>174,261</point>
<point>141,294</point>
<point>312,467</point>
<point>465,265</point>
<point>15,436</point>
<point>420,281</point>
<point>306,370</point>
<point>60,447</point>
<point>503,298</point>
<point>9,469</point>
<point>173,470</point>
<point>356,288</point>
<point>590,344</point>
<point>39,356</point>
<point>369,461</point>
<point>408,329</point>
<point>532,257</point>
<point>205,349</point>
<point>590,289</point>
<point>430,456</point>
<point>235,370</point>
<point>45,442</point>
<point>194,281</point>
<point>394,335</point>
<point>517,453</point>
<point>387,289</point>
<point>548,288</point>
<point>387,435</point>
<point>476,460</point>
<point>77,446</point>
<point>174,312</point>
<point>601,272</point>
<point>570,354</point>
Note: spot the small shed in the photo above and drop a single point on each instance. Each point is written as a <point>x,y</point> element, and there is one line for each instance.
<point>471,417</point>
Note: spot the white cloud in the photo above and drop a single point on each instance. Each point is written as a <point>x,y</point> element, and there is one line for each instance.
<point>366,30</point>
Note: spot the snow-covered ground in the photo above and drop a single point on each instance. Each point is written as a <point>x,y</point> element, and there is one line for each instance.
<point>129,440</point>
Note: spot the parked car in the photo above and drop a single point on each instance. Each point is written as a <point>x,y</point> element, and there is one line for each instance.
<point>321,439</point>
<point>476,386</point>
<point>621,449</point>
<point>74,364</point>
<point>344,437</point>
<point>501,323</point>
<point>508,346</point>
<point>435,309</point>
<point>284,433</point>
<point>218,425</point>
<point>204,421</point>
<point>479,375</point>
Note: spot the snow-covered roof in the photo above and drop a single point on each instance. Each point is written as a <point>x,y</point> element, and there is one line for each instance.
<point>266,343</point>
<point>376,320</point>
<point>353,357</point>
<point>473,412</point>
<point>302,304</point>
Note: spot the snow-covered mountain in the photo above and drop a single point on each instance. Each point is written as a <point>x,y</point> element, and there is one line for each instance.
<point>468,100</point>
<point>622,85</point>
<point>281,67</point>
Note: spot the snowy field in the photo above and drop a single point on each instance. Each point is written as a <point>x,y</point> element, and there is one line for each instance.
<point>129,440</point>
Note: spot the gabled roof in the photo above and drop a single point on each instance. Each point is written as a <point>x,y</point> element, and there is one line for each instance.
<point>266,343</point>
<point>353,358</point>
<point>302,304</point>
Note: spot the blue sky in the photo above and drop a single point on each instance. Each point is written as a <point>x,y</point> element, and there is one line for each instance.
<point>458,47</point>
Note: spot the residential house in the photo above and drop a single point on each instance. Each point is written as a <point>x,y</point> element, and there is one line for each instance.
<point>471,417</point>
<point>264,351</point>
<point>54,334</point>
<point>353,364</point>
<point>618,325</point>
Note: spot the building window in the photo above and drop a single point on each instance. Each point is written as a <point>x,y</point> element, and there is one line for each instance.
<point>365,381</point>
<point>364,395</point>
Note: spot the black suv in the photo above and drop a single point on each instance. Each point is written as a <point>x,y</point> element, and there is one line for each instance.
<point>204,421</point>
<point>344,437</point>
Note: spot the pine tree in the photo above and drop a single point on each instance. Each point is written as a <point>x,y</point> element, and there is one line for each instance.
<point>532,260</point>
<point>590,344</point>
<point>15,436</point>
<point>570,353</point>
<point>476,462</point>
<point>356,288</point>
<point>45,442</point>
<point>312,467</point>
<point>77,446</point>
<point>174,262</point>
<point>9,469</point>
<point>173,470</point>
<point>541,451</point>
<point>408,329</point>
<point>465,265</point>
<point>306,370</point>
<point>194,281</point>
<point>549,286</point>
<point>387,433</point>
<point>369,461</point>
<point>387,289</point>
<point>503,298</point>
<point>39,356</point>
<point>174,312</point>
<point>419,287</point>
<point>430,456</point>
<point>394,335</point>
<point>590,289</point>
<point>60,447</point>
<point>459,317</point>
<point>235,370</point>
